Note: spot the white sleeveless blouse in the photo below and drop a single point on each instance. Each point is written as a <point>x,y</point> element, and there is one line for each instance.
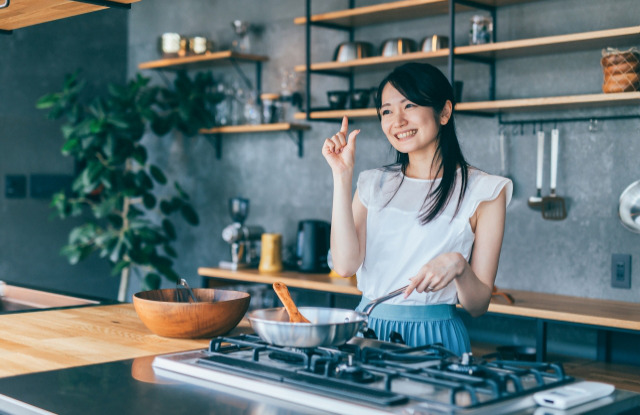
<point>397,246</point>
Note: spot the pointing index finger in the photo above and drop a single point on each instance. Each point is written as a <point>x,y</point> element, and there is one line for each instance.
<point>345,125</point>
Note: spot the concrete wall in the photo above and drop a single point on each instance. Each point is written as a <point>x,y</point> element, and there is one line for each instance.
<point>34,62</point>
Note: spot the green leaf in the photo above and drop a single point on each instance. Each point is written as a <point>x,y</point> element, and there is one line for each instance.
<point>119,266</point>
<point>48,101</point>
<point>189,214</point>
<point>157,174</point>
<point>166,207</point>
<point>170,251</point>
<point>169,229</point>
<point>139,154</point>
<point>151,281</point>
<point>143,180</point>
<point>70,146</point>
<point>182,193</point>
<point>149,200</point>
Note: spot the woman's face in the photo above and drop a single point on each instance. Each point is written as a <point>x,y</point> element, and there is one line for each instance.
<point>410,128</point>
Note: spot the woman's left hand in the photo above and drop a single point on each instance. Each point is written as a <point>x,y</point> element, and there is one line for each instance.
<point>437,273</point>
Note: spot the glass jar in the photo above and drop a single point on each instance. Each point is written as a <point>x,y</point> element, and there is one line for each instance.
<point>271,108</point>
<point>481,30</point>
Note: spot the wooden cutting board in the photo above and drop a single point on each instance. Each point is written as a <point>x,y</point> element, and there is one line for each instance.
<point>58,339</point>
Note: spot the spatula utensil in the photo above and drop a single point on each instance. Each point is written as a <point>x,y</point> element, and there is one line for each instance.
<point>535,202</point>
<point>283,294</point>
<point>553,206</point>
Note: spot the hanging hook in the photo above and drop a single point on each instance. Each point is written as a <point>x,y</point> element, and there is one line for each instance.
<point>593,124</point>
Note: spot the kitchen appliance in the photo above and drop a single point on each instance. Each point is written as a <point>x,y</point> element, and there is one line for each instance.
<point>243,239</point>
<point>368,376</point>
<point>397,46</point>
<point>313,245</point>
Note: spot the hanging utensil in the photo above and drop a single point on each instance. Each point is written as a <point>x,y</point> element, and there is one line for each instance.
<point>553,206</point>
<point>535,202</point>
<point>289,305</point>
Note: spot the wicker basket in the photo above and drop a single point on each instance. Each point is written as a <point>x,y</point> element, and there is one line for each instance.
<point>621,70</point>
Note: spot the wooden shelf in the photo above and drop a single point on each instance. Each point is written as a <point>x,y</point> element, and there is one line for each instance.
<point>547,45</point>
<point>507,105</point>
<point>337,114</point>
<point>235,129</point>
<point>626,36</point>
<point>393,11</point>
<point>198,61</point>
<point>550,103</point>
<point>295,131</point>
<point>378,62</point>
<point>23,13</point>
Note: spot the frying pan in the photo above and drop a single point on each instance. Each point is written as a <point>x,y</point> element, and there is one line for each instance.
<point>328,327</point>
<point>629,207</point>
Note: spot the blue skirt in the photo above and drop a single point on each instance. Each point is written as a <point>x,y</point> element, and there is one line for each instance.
<point>420,325</point>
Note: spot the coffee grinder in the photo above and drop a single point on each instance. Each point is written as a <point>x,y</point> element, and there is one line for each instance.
<point>243,239</point>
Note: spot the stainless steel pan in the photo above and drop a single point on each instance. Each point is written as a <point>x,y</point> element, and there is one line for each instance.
<point>328,327</point>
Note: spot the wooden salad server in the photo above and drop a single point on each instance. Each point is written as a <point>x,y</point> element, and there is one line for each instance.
<point>283,294</point>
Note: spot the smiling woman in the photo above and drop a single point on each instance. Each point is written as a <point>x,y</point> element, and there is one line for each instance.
<point>429,220</point>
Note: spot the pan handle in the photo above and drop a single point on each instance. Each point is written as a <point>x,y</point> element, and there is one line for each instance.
<point>369,307</point>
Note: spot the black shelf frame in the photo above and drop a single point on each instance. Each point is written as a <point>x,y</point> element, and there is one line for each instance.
<point>351,31</point>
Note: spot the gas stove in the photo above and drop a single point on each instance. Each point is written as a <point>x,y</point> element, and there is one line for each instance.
<point>368,376</point>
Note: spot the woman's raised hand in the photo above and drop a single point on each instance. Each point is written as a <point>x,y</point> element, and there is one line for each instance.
<point>339,151</point>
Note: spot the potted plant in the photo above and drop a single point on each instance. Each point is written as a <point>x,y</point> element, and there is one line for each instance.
<point>116,187</point>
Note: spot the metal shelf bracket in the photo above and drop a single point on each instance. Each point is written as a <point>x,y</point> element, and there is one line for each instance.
<point>296,137</point>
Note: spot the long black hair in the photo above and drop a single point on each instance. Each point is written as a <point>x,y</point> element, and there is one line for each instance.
<point>425,85</point>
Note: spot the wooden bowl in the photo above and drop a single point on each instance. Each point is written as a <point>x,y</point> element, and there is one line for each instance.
<point>215,313</point>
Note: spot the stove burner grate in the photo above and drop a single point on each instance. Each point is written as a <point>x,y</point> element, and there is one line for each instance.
<point>379,374</point>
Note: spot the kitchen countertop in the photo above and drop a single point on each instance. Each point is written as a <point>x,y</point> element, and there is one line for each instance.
<point>49,347</point>
<point>588,311</point>
<point>57,339</point>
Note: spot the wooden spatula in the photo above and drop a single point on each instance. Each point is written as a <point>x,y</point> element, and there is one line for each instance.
<point>289,305</point>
